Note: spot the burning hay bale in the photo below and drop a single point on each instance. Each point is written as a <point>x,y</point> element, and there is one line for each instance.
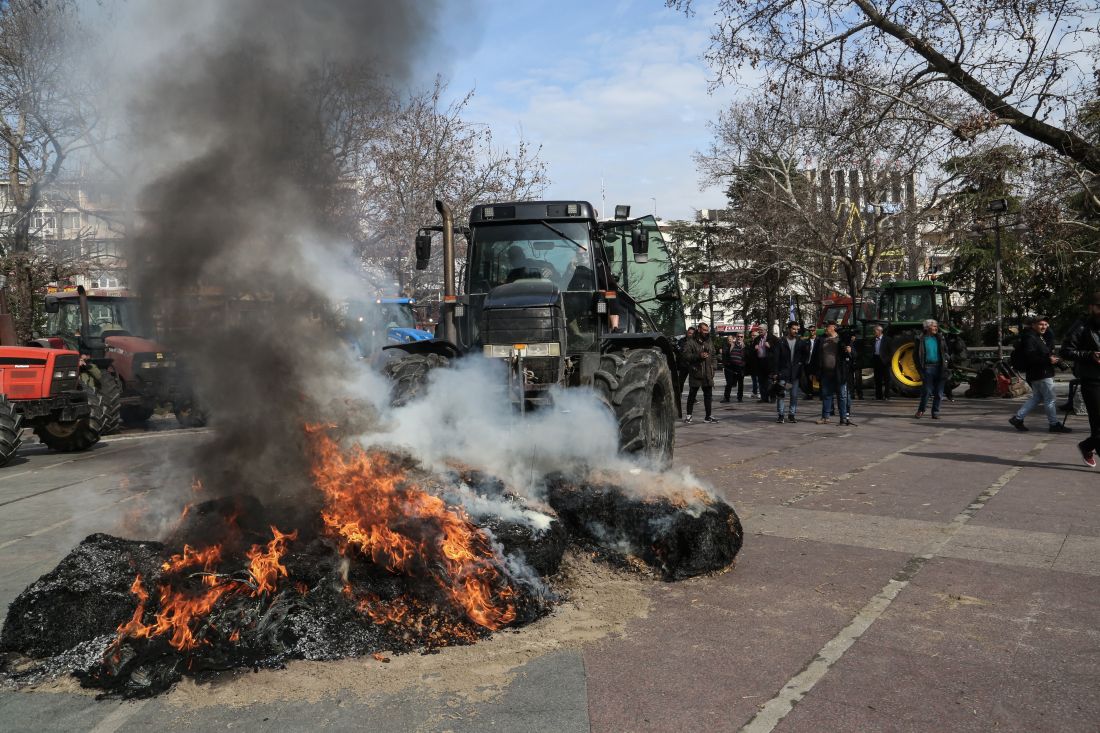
<point>677,536</point>
<point>378,563</point>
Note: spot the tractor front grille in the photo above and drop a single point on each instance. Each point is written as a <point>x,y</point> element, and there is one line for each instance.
<point>531,325</point>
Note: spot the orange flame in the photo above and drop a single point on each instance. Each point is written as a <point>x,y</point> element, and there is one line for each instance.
<point>265,566</point>
<point>181,610</point>
<point>373,508</point>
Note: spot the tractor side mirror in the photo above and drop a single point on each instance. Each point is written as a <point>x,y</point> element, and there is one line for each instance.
<point>51,305</point>
<point>639,242</point>
<point>423,250</point>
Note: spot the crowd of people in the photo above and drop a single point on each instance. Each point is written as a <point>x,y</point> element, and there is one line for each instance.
<point>782,369</point>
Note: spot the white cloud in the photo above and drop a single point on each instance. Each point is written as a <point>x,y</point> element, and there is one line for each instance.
<point>630,106</point>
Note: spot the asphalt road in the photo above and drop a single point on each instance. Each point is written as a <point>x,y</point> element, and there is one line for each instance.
<point>897,575</point>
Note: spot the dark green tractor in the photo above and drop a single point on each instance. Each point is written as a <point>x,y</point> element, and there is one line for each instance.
<point>903,306</point>
<point>543,283</point>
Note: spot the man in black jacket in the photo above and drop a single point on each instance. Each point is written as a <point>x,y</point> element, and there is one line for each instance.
<point>831,363</point>
<point>791,355</point>
<point>1038,359</point>
<point>1082,345</point>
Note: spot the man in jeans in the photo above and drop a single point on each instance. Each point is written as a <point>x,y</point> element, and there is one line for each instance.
<point>831,363</point>
<point>1082,345</point>
<point>790,358</point>
<point>1037,356</point>
<point>931,355</point>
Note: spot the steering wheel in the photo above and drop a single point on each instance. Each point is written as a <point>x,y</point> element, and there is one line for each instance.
<point>545,269</point>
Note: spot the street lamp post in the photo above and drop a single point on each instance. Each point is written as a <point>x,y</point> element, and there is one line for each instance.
<point>998,207</point>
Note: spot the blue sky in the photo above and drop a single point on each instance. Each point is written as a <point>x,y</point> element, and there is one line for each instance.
<point>611,89</point>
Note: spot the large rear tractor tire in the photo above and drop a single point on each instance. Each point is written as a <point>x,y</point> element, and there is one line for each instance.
<point>637,385</point>
<point>77,435</point>
<point>409,375</point>
<point>11,428</point>
<point>111,391</point>
<point>905,378</point>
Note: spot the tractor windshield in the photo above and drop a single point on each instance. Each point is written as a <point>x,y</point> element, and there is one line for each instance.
<point>398,315</point>
<point>504,253</point>
<point>106,316</point>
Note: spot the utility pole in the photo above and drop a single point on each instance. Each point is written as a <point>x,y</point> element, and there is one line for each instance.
<point>997,207</point>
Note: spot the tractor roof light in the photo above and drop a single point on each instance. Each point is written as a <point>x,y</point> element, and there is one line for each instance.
<point>622,212</point>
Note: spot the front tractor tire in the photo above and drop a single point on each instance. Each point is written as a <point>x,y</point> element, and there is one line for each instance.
<point>409,375</point>
<point>636,384</point>
<point>75,435</point>
<point>905,377</point>
<point>11,428</point>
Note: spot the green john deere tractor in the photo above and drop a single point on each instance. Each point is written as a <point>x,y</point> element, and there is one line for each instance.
<point>903,306</point>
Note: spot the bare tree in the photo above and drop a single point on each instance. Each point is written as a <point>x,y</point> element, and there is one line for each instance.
<point>968,66</point>
<point>426,150</point>
<point>43,120</point>
<point>823,188</point>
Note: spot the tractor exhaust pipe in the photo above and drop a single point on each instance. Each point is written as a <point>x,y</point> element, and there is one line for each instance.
<point>7,323</point>
<point>449,295</point>
<point>85,319</point>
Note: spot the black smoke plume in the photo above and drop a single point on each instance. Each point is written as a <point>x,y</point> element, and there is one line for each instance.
<point>243,246</point>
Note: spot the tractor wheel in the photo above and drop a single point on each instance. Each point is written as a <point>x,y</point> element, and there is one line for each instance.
<point>11,428</point>
<point>76,435</point>
<point>190,415</point>
<point>135,415</point>
<point>111,391</point>
<point>905,378</point>
<point>409,375</point>
<point>637,385</point>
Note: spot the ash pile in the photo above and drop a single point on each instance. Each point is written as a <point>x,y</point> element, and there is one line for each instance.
<point>394,559</point>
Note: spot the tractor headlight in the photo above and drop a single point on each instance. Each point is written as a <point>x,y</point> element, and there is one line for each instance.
<point>543,350</point>
<point>503,351</point>
<point>149,365</point>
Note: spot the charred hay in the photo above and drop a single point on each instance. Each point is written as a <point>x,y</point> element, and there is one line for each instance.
<point>678,537</point>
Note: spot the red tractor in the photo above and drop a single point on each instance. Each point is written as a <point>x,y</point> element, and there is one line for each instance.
<point>41,389</point>
<point>134,374</point>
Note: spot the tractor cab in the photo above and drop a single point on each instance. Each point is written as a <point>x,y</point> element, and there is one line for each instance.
<point>912,302</point>
<point>558,255</point>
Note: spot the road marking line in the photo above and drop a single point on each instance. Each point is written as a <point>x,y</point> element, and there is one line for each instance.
<point>62,523</point>
<point>816,488</point>
<point>56,488</point>
<point>773,711</point>
<point>117,717</point>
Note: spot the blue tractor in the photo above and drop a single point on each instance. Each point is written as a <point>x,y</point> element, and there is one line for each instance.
<point>372,325</point>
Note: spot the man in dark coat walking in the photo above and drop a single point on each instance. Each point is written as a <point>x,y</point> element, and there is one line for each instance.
<point>791,354</point>
<point>1082,345</point>
<point>1036,355</point>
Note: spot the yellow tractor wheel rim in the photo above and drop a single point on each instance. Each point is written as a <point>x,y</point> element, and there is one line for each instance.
<point>903,364</point>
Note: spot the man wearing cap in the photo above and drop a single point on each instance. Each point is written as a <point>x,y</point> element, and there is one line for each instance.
<point>1037,355</point>
<point>1082,345</point>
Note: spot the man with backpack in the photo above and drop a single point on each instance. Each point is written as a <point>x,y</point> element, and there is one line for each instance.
<point>1034,357</point>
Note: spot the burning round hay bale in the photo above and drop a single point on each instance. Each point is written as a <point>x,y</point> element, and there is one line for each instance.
<point>383,564</point>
